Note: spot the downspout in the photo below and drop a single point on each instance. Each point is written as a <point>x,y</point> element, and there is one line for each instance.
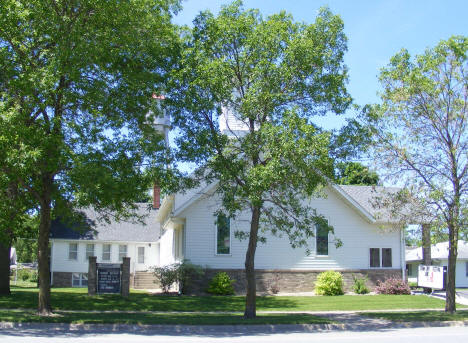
<point>403,254</point>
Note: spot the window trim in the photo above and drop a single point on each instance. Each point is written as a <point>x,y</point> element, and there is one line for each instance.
<point>69,251</point>
<point>120,253</point>
<point>391,258</point>
<point>328,241</point>
<point>81,278</point>
<point>86,251</point>
<point>216,238</point>
<point>110,252</point>
<point>138,254</point>
<point>380,257</point>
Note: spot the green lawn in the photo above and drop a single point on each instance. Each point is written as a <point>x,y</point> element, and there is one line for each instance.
<point>77,299</point>
<point>151,318</point>
<point>426,316</point>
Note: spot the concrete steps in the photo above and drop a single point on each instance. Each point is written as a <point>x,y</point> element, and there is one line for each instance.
<point>145,280</point>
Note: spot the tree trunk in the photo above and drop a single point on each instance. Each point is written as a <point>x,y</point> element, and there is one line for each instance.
<point>5,249</point>
<point>250,299</point>
<point>44,307</point>
<point>450,306</point>
<point>426,250</point>
<point>426,244</point>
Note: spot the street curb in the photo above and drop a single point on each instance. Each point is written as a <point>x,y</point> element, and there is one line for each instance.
<point>223,330</point>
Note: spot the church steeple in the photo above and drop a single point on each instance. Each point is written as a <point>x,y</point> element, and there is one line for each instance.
<point>162,123</point>
<point>230,122</point>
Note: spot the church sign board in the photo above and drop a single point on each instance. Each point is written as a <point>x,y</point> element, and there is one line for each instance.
<point>108,277</point>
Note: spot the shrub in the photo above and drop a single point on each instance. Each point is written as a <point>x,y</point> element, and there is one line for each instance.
<point>329,283</point>
<point>392,286</point>
<point>273,286</point>
<point>166,275</point>
<point>34,276</point>
<point>413,284</point>
<point>182,273</point>
<point>359,286</point>
<point>221,284</point>
<point>23,274</point>
<point>187,272</point>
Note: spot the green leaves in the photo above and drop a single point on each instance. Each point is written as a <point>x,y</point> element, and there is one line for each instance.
<point>420,137</point>
<point>76,87</point>
<point>242,99</point>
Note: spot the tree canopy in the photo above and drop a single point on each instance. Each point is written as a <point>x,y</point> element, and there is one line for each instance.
<point>420,134</point>
<point>75,87</point>
<point>354,173</point>
<point>242,100</point>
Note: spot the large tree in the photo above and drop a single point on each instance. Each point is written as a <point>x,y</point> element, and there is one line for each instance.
<point>75,86</point>
<point>420,134</point>
<point>243,99</point>
<point>355,173</point>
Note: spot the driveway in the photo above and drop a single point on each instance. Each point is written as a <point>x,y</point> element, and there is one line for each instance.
<point>461,295</point>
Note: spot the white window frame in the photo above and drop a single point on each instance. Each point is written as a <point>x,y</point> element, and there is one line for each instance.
<point>380,257</point>
<point>75,252</point>
<point>87,251</point>
<point>178,243</point>
<point>369,257</point>
<point>110,252</point>
<point>328,242</point>
<point>216,239</point>
<point>138,255</point>
<point>121,255</point>
<point>81,278</point>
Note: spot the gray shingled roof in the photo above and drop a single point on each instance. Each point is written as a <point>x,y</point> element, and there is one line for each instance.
<point>369,198</point>
<point>125,231</point>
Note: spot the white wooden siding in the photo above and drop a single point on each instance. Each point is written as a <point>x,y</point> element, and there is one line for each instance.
<point>166,247</point>
<point>461,280</point>
<point>61,263</point>
<point>357,235</point>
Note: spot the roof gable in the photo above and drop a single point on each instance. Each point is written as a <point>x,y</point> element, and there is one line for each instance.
<point>361,198</point>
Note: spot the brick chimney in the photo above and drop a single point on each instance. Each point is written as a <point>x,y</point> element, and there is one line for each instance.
<point>156,196</point>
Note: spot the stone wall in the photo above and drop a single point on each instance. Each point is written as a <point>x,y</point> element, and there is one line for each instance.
<point>62,279</point>
<point>287,281</point>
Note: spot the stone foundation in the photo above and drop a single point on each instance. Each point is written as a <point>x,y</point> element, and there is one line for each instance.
<point>62,279</point>
<point>288,281</point>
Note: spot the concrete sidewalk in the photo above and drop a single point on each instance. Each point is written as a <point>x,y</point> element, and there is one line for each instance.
<point>343,321</point>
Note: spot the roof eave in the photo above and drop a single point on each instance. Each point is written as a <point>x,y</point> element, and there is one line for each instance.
<point>361,210</point>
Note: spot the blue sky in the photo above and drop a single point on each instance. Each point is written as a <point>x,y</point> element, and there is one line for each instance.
<point>376,30</point>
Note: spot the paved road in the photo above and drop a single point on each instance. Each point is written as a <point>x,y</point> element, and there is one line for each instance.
<point>415,335</point>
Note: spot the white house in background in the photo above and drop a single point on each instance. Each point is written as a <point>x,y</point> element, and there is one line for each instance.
<point>12,256</point>
<point>109,242</point>
<point>439,256</point>
<point>189,230</point>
